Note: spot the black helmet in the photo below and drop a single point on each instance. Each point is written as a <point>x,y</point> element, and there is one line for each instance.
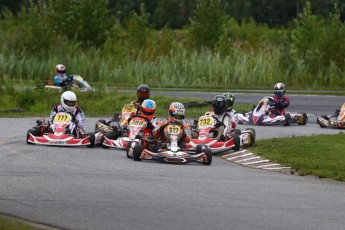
<point>279,90</point>
<point>219,104</point>
<point>230,99</point>
<point>143,92</point>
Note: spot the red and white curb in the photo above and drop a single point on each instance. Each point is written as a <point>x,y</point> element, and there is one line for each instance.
<point>248,159</point>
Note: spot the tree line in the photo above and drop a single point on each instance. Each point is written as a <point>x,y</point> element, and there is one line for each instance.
<point>175,14</point>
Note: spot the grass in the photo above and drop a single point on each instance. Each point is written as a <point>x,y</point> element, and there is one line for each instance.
<point>13,223</point>
<point>39,103</point>
<point>321,156</point>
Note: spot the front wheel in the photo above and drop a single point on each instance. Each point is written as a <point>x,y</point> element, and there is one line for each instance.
<point>287,119</point>
<point>129,150</point>
<point>208,154</point>
<point>137,150</point>
<point>237,143</point>
<point>92,140</point>
<point>35,131</point>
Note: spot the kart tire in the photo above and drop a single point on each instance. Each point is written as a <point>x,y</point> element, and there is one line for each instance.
<point>35,131</point>
<point>304,120</point>
<point>103,122</point>
<point>111,135</point>
<point>252,130</point>
<point>237,142</point>
<point>137,150</point>
<point>320,123</point>
<point>128,149</point>
<point>237,132</point>
<point>199,148</point>
<point>287,119</point>
<point>92,140</point>
<point>208,154</point>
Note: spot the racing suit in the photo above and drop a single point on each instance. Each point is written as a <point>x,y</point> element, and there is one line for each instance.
<point>280,104</point>
<point>185,138</point>
<point>148,131</point>
<point>227,123</point>
<point>60,80</point>
<point>78,117</point>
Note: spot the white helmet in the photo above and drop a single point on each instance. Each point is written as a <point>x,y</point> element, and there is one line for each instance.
<point>68,101</point>
<point>61,69</point>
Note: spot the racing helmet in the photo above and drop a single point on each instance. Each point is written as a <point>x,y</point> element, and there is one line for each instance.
<point>279,90</point>
<point>60,69</point>
<point>219,104</point>
<point>176,112</point>
<point>68,101</point>
<point>148,109</point>
<point>143,92</point>
<point>230,100</point>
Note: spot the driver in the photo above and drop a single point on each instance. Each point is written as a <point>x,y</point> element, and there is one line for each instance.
<point>147,110</point>
<point>226,123</point>
<point>69,105</point>
<point>60,78</point>
<point>281,102</point>
<point>176,115</point>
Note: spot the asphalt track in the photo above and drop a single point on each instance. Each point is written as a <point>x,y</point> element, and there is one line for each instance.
<point>81,188</point>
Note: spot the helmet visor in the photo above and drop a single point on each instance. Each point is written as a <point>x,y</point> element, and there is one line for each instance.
<point>61,71</point>
<point>148,113</point>
<point>279,93</point>
<point>70,103</point>
<point>178,116</point>
<point>143,94</point>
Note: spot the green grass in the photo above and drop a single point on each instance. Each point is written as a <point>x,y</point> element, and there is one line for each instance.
<point>321,156</point>
<point>13,223</point>
<point>22,103</point>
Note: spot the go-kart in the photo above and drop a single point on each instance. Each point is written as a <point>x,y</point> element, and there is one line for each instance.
<point>262,115</point>
<point>74,82</point>
<point>116,126</point>
<point>333,121</point>
<point>134,133</point>
<point>60,134</point>
<point>169,152</point>
<point>206,132</point>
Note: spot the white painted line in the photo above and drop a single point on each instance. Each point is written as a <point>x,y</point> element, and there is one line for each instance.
<point>255,162</point>
<point>247,159</point>
<point>264,166</point>
<point>243,155</point>
<point>280,168</point>
<point>235,153</point>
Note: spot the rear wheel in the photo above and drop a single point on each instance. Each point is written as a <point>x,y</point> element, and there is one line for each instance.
<point>302,119</point>
<point>237,142</point>
<point>111,135</point>
<point>208,154</point>
<point>137,150</point>
<point>92,140</point>
<point>252,132</point>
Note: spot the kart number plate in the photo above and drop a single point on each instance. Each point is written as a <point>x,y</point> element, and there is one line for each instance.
<point>174,129</point>
<point>62,117</point>
<point>205,121</point>
<point>128,109</point>
<point>137,122</point>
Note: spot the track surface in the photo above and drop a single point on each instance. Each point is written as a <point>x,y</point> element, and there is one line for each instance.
<point>80,188</point>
